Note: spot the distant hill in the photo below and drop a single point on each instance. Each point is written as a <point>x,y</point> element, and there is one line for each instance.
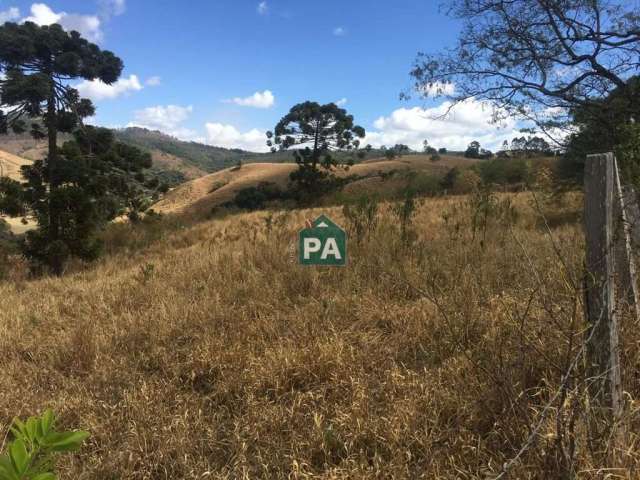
<point>205,158</point>
<point>197,159</point>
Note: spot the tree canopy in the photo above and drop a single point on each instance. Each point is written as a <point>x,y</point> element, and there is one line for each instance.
<point>38,62</point>
<point>614,128</point>
<point>536,58</point>
<point>315,132</point>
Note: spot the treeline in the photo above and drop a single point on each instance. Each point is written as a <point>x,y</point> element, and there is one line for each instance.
<point>519,147</point>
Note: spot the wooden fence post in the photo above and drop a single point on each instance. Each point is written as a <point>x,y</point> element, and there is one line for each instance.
<point>627,217</point>
<point>603,358</point>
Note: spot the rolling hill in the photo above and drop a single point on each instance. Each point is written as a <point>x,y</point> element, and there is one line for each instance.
<point>178,160</point>
<point>201,195</point>
<point>190,159</point>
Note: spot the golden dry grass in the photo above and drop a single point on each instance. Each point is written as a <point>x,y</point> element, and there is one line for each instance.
<point>10,165</point>
<point>202,194</point>
<point>212,354</point>
<point>166,161</point>
<point>25,146</point>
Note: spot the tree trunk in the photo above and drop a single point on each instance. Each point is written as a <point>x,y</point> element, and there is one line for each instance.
<point>55,262</point>
<point>315,145</point>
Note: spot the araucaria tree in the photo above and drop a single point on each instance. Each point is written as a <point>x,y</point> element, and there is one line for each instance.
<point>538,59</point>
<point>100,179</point>
<point>38,63</point>
<point>316,132</point>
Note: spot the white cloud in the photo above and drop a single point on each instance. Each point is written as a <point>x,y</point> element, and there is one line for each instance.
<point>153,81</point>
<point>454,129</point>
<point>342,102</point>
<point>228,136</point>
<point>263,8</point>
<point>257,100</point>
<point>339,31</point>
<point>167,119</point>
<point>9,15</point>
<point>163,117</point>
<point>96,90</point>
<point>89,26</point>
<point>109,8</point>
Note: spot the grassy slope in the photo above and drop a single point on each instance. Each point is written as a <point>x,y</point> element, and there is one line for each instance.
<point>166,161</point>
<point>211,354</point>
<point>200,195</point>
<point>10,167</point>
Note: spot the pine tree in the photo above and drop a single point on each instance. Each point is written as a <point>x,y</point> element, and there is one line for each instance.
<point>318,131</point>
<point>38,62</point>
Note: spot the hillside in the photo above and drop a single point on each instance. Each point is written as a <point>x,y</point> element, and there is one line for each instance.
<point>205,158</point>
<point>10,165</point>
<point>202,194</point>
<point>169,154</point>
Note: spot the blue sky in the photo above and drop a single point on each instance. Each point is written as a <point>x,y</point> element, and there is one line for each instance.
<point>224,71</point>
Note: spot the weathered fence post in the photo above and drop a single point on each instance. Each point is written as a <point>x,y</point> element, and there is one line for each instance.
<point>603,359</point>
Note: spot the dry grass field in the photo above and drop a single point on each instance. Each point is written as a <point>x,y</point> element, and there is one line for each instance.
<point>205,351</point>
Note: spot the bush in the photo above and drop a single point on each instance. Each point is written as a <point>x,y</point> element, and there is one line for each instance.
<point>448,180</point>
<point>254,198</point>
<point>8,246</point>
<point>424,184</point>
<point>362,216</point>
<point>35,447</point>
<point>465,181</point>
<point>504,171</point>
<point>405,211</point>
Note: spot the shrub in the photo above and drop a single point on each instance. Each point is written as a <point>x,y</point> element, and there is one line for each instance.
<point>35,447</point>
<point>361,216</point>
<point>254,198</point>
<point>424,184</point>
<point>504,171</point>
<point>8,246</point>
<point>449,179</point>
<point>466,181</point>
<point>405,211</point>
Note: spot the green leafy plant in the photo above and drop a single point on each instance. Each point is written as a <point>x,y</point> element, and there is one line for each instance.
<point>36,445</point>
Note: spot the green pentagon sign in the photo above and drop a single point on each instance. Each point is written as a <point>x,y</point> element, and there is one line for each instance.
<point>325,243</point>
